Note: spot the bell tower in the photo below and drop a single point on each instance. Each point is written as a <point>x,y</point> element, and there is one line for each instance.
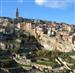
<point>17,13</point>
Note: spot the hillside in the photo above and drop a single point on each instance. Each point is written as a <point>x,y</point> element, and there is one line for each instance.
<point>32,47</point>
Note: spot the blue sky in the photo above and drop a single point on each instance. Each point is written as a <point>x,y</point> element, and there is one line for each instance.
<point>52,10</point>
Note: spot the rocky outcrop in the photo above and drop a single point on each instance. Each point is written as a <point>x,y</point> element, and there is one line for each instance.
<point>52,43</point>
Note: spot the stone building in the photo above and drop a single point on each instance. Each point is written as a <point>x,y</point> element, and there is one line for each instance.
<point>26,25</point>
<point>66,27</point>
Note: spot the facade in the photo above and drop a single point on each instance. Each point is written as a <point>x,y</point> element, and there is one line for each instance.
<point>26,25</point>
<point>66,27</point>
<point>18,25</point>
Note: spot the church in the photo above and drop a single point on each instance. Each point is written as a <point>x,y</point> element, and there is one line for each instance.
<point>22,23</point>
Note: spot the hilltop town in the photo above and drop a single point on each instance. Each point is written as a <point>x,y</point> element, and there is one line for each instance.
<point>33,43</point>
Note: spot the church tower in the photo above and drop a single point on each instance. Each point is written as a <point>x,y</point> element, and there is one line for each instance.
<point>17,13</point>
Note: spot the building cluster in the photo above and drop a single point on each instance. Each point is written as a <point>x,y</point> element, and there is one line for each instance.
<point>9,26</point>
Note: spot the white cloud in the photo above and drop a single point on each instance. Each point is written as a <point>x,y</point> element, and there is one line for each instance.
<point>20,1</point>
<point>40,2</point>
<point>55,3</point>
